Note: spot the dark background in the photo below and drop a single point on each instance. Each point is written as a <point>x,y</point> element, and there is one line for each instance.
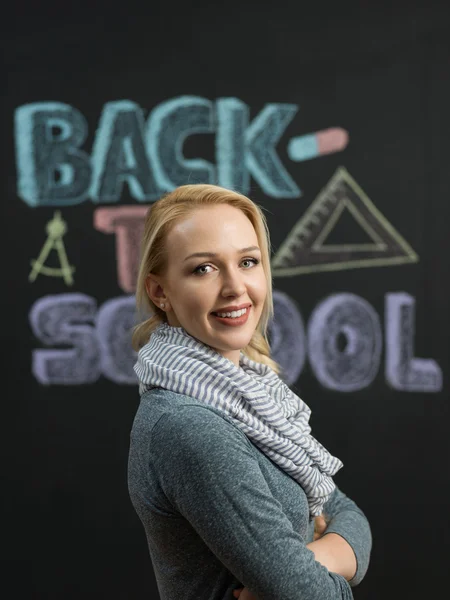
<point>381,71</point>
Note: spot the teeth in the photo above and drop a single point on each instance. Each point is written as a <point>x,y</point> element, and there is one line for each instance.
<point>234,314</point>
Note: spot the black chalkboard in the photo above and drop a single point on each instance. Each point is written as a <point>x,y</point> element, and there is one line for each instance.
<point>335,120</point>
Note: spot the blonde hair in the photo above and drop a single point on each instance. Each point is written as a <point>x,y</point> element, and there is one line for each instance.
<point>161,217</point>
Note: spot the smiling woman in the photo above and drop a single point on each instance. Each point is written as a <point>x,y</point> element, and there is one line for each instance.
<point>208,222</point>
<point>223,470</point>
<point>193,296</point>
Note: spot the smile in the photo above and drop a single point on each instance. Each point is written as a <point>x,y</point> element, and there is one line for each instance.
<point>233,314</point>
<point>235,318</point>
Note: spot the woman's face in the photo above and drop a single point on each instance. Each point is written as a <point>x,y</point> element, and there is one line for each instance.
<point>227,272</point>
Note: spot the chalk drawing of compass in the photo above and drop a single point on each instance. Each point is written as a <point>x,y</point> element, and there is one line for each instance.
<point>56,228</point>
<point>305,250</point>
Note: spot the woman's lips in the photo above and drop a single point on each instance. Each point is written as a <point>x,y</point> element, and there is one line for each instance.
<point>233,322</point>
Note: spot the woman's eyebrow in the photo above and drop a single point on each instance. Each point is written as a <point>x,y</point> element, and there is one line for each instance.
<point>214,254</point>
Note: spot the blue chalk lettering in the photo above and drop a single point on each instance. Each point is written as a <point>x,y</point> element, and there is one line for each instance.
<point>303,147</point>
<point>262,160</point>
<point>119,155</point>
<point>51,169</point>
<point>169,125</point>
<point>232,121</point>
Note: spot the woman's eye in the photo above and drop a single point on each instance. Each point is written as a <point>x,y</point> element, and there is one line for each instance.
<point>252,261</point>
<point>197,269</point>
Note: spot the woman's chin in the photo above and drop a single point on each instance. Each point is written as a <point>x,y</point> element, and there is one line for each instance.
<point>236,341</point>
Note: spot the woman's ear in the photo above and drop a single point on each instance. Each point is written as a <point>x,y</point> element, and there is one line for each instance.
<point>154,290</point>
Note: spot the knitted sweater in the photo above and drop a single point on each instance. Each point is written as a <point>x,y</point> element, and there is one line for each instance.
<point>218,514</point>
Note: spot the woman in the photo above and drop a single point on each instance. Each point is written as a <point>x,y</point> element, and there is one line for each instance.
<point>223,470</point>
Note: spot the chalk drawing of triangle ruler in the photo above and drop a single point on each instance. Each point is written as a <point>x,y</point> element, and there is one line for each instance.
<point>305,249</point>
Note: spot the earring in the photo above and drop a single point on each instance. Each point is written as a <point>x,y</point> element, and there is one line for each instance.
<point>163,305</point>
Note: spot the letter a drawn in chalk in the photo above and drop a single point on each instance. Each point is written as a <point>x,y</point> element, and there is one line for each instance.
<point>56,228</point>
<point>305,249</point>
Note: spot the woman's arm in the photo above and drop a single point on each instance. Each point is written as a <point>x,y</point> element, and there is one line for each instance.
<point>348,521</point>
<point>331,550</point>
<point>209,472</point>
<point>336,554</point>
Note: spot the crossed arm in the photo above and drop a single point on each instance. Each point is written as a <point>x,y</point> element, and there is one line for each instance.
<point>330,550</point>
<point>214,481</point>
<point>333,551</point>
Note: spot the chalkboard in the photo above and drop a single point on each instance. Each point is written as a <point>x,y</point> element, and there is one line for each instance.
<point>335,120</point>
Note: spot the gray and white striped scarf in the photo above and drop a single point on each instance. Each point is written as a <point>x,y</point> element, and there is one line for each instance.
<point>274,418</point>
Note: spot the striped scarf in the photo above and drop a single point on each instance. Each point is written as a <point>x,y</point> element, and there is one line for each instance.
<point>261,405</point>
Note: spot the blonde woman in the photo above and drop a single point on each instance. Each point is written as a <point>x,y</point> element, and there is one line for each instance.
<point>224,472</point>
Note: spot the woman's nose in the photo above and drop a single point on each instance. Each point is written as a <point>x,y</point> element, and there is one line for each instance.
<point>233,284</point>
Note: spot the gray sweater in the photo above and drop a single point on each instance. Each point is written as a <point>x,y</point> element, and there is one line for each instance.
<point>218,514</point>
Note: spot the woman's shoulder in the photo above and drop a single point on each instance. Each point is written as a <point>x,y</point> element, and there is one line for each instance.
<point>176,403</point>
<point>187,420</point>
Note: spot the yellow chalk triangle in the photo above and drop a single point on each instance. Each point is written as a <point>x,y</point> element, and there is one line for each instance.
<point>305,250</point>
